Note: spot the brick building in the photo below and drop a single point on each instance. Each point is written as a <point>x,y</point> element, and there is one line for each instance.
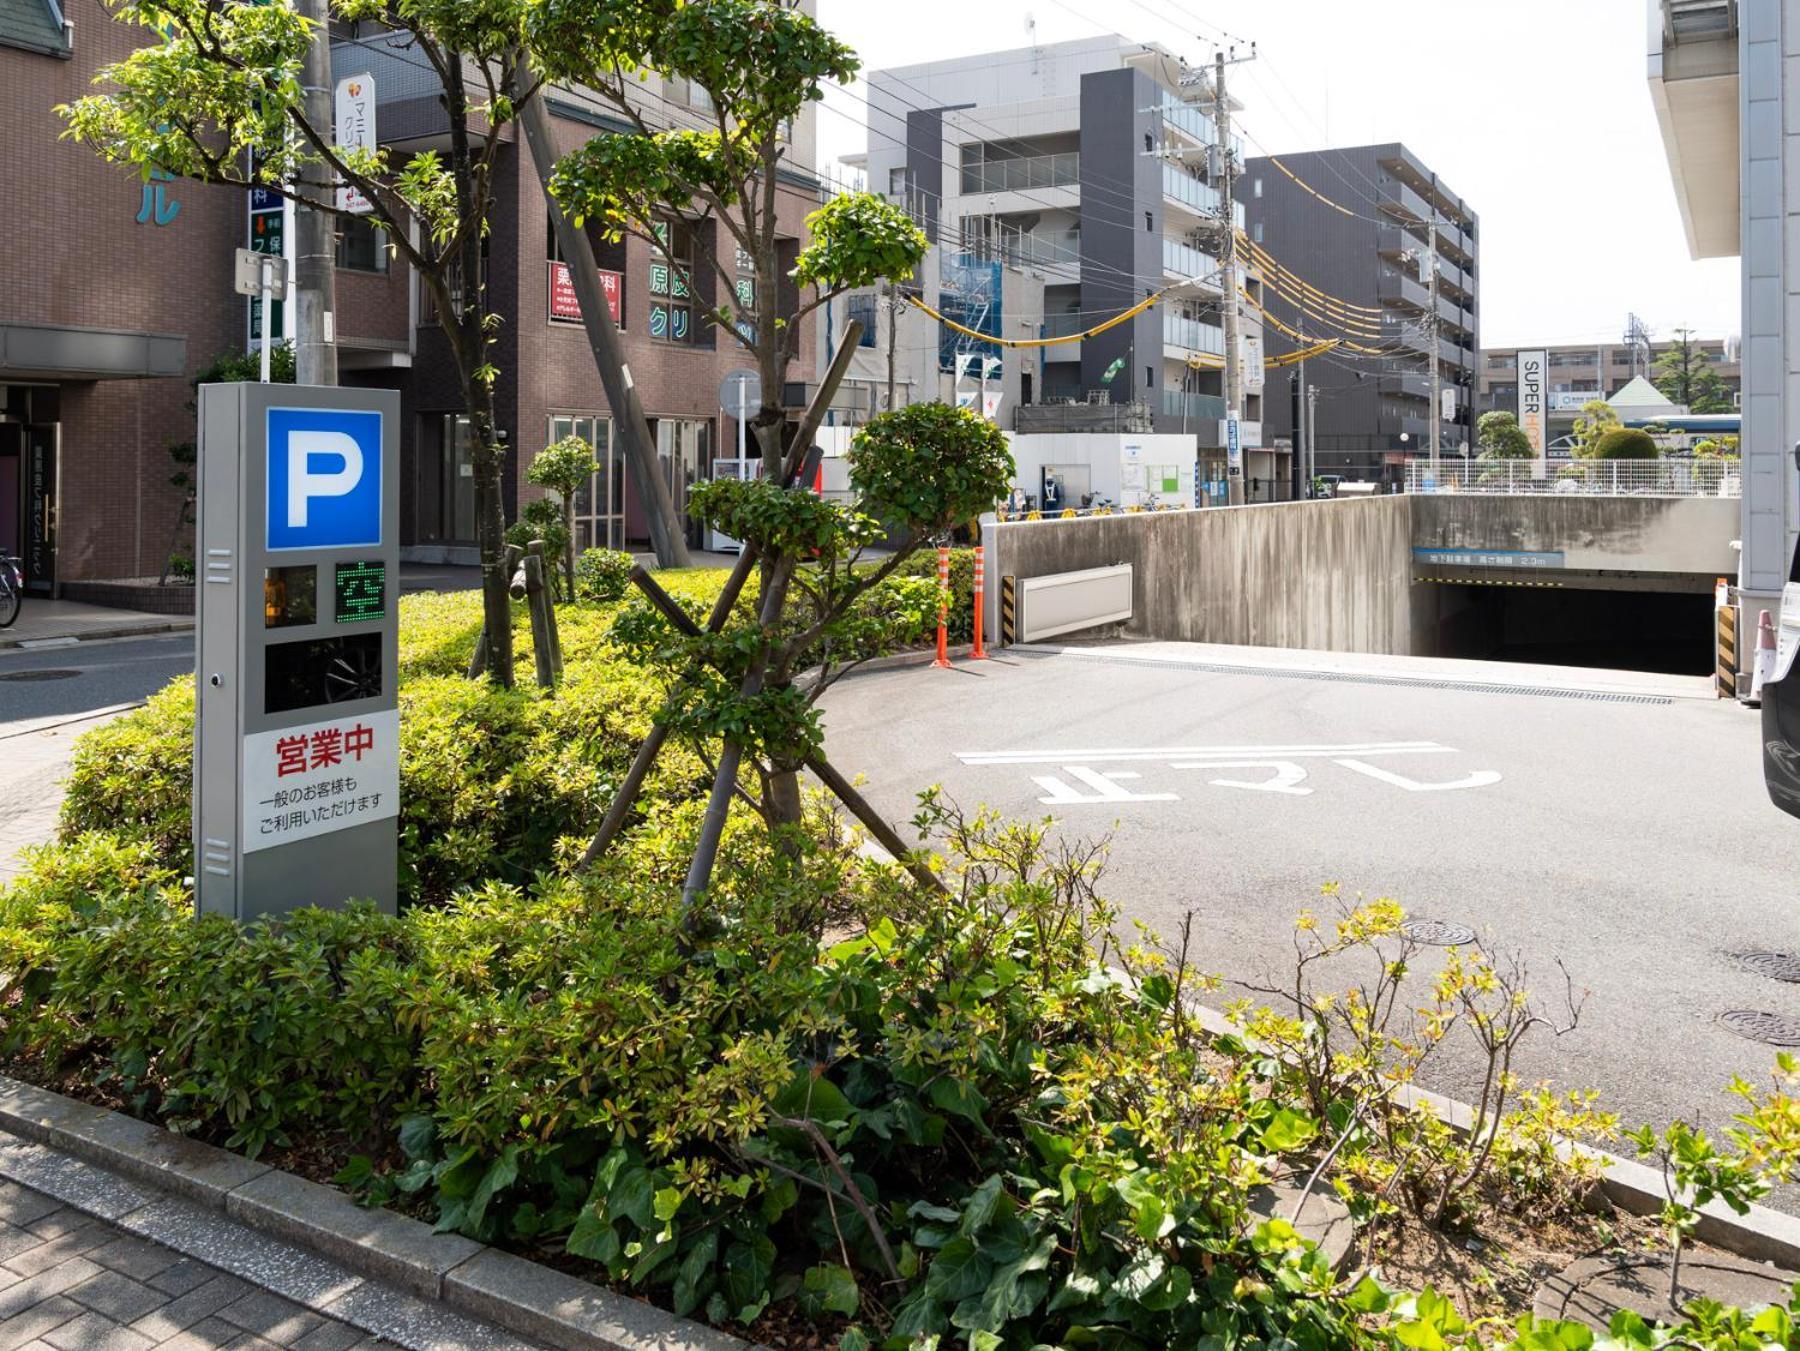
<point>113,293</point>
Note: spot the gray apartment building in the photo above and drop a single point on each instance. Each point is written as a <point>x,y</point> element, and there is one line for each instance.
<point>1355,224</point>
<point>1090,167</point>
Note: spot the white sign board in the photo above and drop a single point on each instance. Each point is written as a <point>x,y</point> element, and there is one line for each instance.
<point>1533,416</point>
<point>1250,362</point>
<point>355,123</point>
<point>247,273</point>
<point>300,782</point>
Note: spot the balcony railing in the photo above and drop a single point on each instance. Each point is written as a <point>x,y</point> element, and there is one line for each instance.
<point>1183,260</point>
<point>1193,335</point>
<point>1196,409</point>
<point>1190,191</point>
<point>1023,173</point>
<point>1400,289</point>
<point>1581,478</point>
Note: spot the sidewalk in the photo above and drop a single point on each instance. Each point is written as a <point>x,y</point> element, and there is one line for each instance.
<point>56,622</point>
<point>33,766</point>
<point>92,1259</point>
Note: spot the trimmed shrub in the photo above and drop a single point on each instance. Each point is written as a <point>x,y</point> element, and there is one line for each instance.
<point>474,808</point>
<point>603,575</point>
<point>1626,443</point>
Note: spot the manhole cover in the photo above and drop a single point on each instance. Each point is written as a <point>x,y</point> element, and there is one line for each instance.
<point>39,675</point>
<point>1437,933</point>
<point>1772,1029</point>
<point>1774,965</point>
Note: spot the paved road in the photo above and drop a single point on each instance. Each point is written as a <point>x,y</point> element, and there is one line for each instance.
<point>50,697</point>
<point>1632,840</point>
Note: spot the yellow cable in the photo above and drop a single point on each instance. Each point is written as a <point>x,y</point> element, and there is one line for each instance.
<point>1113,322</point>
<point>1309,188</point>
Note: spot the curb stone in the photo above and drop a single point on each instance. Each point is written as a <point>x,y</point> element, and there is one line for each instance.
<point>446,1276</point>
<point>148,628</point>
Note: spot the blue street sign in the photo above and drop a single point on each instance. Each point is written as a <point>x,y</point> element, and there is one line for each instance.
<point>324,479</point>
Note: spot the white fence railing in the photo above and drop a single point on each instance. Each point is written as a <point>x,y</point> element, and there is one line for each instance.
<point>1580,478</point>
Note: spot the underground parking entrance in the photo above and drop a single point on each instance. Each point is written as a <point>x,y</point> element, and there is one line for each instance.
<point>1615,621</point>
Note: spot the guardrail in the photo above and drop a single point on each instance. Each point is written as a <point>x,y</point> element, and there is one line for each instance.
<point>1581,478</point>
<point>1008,517</point>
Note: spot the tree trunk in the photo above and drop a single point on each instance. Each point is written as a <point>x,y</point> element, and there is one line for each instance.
<point>667,539</point>
<point>490,533</point>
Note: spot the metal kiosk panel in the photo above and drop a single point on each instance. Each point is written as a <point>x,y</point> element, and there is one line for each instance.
<point>297,723</point>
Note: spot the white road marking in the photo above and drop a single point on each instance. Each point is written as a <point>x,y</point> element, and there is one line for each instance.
<point>1188,753</point>
<point>1105,786</point>
<point>1288,775</point>
<point>1481,778</point>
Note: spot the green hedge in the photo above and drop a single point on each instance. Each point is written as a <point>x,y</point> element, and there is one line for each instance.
<point>474,808</point>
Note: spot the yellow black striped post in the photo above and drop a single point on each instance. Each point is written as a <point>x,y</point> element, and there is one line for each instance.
<point>1726,682</point>
<point>1009,611</point>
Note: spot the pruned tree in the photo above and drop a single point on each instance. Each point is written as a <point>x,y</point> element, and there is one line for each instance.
<point>1684,373</point>
<point>759,64</point>
<point>743,684</point>
<point>563,466</point>
<point>1597,419</point>
<point>1498,436</point>
<point>218,97</point>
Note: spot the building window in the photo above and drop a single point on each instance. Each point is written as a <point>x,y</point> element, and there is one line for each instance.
<point>1149,143</point>
<point>683,90</point>
<point>1257,232</point>
<point>672,317</point>
<point>1256,187</point>
<point>1149,377</point>
<point>866,306</point>
<point>361,246</point>
<point>898,184</point>
<point>1149,223</point>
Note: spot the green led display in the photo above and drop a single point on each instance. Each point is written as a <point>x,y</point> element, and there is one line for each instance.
<point>361,592</point>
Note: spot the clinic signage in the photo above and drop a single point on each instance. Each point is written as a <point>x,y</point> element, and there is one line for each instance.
<point>1532,406</point>
<point>565,305</point>
<point>354,130</point>
<point>297,737</point>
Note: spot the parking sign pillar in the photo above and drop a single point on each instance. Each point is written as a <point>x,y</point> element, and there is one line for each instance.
<point>297,724</point>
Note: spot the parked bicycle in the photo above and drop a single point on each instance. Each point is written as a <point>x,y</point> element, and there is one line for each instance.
<point>12,590</point>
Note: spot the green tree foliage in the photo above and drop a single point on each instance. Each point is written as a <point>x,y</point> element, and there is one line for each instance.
<point>1685,374</point>
<point>1596,420</point>
<point>216,96</point>
<point>760,64</point>
<point>1498,436</point>
<point>1627,443</point>
<point>565,467</point>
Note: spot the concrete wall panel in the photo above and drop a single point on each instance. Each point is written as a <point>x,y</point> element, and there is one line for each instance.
<point>1332,576</point>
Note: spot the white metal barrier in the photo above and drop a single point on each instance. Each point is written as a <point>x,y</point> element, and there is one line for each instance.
<point>1065,602</point>
<point>1698,477</point>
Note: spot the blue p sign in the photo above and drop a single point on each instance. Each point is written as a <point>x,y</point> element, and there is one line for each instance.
<point>324,479</point>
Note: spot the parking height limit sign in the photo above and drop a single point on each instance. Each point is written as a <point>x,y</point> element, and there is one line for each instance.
<point>297,723</point>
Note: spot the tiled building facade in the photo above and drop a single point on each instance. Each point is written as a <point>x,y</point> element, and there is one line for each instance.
<point>113,294</point>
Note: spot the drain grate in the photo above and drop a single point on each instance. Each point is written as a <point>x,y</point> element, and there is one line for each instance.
<point>39,675</point>
<point>1359,678</point>
<point>1437,933</point>
<point>1784,966</point>
<point>1772,1029</point>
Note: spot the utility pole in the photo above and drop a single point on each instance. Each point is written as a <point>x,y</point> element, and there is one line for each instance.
<point>315,257</point>
<point>1312,438</point>
<point>1298,466</point>
<point>893,340</point>
<point>1234,376</point>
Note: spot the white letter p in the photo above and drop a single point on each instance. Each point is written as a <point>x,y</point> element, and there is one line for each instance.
<point>304,485</point>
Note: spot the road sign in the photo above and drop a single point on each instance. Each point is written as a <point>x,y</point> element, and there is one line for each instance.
<point>324,479</point>
<point>247,274</point>
<point>297,732</point>
<point>740,389</point>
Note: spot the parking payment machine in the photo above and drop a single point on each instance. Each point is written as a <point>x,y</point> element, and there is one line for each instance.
<point>297,722</point>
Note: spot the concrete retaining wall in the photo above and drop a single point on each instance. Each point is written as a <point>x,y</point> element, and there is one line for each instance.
<point>1332,576</point>
<point>1625,534</point>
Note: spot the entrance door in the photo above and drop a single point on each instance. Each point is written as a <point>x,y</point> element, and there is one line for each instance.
<point>40,469</point>
<point>12,490</point>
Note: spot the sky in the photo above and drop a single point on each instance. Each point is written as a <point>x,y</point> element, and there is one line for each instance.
<point>1537,112</point>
